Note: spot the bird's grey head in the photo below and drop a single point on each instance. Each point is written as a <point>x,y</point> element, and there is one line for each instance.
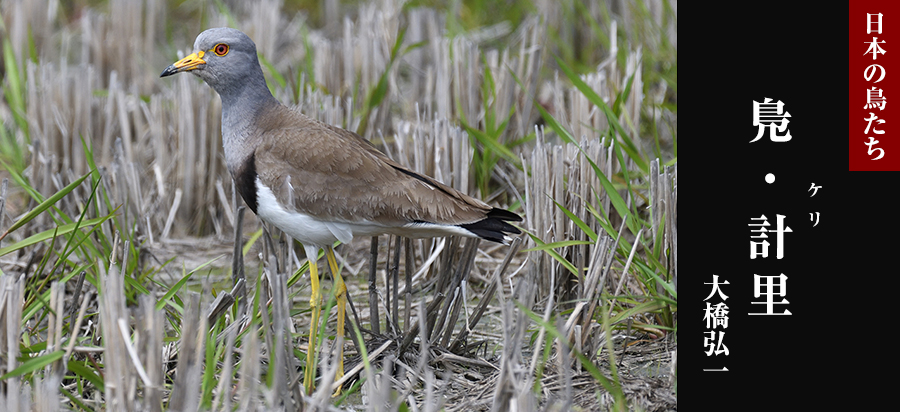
<point>225,58</point>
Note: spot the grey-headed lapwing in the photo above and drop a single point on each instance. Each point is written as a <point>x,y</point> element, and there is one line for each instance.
<point>319,183</point>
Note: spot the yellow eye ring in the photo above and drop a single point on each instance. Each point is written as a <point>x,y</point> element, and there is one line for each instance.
<point>221,49</point>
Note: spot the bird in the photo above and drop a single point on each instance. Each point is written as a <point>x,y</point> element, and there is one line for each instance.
<point>320,183</point>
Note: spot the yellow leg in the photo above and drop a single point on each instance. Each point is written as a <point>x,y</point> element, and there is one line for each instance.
<point>309,377</point>
<point>340,293</point>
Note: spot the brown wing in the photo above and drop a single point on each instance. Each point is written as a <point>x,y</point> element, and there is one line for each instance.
<point>335,175</point>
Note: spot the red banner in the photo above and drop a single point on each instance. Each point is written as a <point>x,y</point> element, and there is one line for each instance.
<point>874,72</point>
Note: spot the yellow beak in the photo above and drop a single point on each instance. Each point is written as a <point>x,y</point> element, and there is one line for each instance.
<point>186,64</point>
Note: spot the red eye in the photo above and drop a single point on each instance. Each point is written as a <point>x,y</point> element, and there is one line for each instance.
<point>221,49</point>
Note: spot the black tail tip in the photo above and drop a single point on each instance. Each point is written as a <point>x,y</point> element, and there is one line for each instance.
<point>494,226</point>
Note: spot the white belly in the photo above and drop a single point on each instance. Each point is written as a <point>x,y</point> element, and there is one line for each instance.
<point>311,231</point>
<point>305,228</point>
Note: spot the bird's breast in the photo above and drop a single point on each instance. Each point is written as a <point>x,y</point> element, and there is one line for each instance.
<point>301,226</point>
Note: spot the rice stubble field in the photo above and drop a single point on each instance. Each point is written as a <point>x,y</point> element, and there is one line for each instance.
<point>120,229</point>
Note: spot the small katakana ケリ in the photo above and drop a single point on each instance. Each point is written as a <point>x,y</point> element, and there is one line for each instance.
<point>813,188</point>
<point>773,116</point>
<point>874,48</point>
<point>769,287</point>
<point>875,98</point>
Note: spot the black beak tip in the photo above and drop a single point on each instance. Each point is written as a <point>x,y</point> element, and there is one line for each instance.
<point>169,71</point>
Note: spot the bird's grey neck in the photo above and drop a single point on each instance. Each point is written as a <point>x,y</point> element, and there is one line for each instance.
<point>242,106</point>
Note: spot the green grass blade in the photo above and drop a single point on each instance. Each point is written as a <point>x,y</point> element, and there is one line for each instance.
<point>621,97</point>
<point>580,223</point>
<point>378,94</point>
<point>612,386</point>
<point>178,285</point>
<point>14,92</point>
<point>554,245</point>
<point>645,307</point>
<point>614,197</point>
<point>492,144</point>
<point>561,131</point>
<point>279,79</point>
<point>250,242</point>
<point>668,286</point>
<point>611,117</point>
<point>40,301</point>
<point>44,205</point>
<point>87,373</point>
<point>568,265</point>
<point>213,353</point>
<point>34,364</point>
<point>48,234</point>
